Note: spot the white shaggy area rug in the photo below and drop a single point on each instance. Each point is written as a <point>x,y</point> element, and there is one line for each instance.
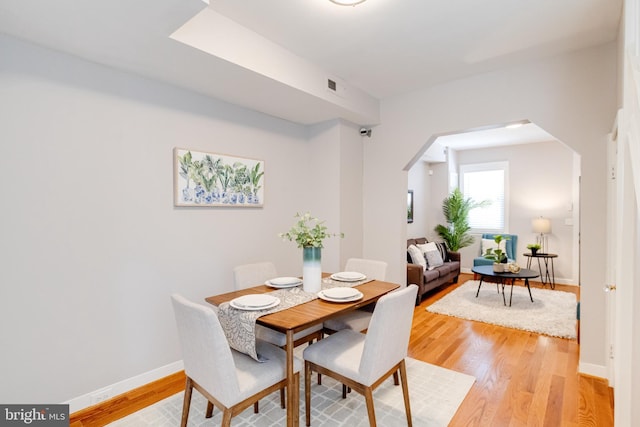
<point>551,313</point>
<point>435,394</point>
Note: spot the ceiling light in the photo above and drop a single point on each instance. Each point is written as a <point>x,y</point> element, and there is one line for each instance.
<point>347,2</point>
<point>514,126</point>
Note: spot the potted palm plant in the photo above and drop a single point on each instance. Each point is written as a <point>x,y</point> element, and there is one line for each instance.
<point>497,255</point>
<point>456,210</point>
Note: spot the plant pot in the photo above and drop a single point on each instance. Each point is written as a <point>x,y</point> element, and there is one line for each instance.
<point>311,269</point>
<point>498,267</point>
<point>534,251</point>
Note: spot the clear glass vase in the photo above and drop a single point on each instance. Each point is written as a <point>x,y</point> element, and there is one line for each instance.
<point>311,269</point>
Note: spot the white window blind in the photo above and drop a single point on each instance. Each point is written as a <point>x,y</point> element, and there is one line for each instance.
<point>486,181</point>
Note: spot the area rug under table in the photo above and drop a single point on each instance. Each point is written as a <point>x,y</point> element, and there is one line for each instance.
<point>551,313</point>
<point>435,394</point>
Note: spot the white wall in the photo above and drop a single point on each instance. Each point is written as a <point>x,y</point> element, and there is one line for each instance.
<point>572,97</point>
<point>351,174</point>
<point>419,181</point>
<point>92,245</point>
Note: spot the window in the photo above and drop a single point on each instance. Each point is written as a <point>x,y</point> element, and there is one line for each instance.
<point>487,181</point>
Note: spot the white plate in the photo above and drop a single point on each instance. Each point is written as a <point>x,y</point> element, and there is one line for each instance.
<point>341,293</point>
<point>348,276</point>
<point>255,302</point>
<point>284,282</point>
<point>356,297</point>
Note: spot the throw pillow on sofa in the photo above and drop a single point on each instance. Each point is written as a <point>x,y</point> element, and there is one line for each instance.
<point>417,257</point>
<point>442,247</point>
<point>432,254</point>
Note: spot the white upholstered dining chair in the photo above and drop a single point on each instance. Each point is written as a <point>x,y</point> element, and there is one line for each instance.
<point>358,320</point>
<point>364,361</point>
<point>247,275</point>
<point>229,380</point>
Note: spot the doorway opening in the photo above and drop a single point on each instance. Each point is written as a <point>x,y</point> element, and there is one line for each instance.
<point>543,181</point>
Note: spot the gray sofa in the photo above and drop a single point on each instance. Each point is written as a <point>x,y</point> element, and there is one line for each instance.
<point>431,279</point>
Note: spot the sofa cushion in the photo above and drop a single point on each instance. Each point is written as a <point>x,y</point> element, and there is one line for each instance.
<point>431,275</point>
<point>454,266</point>
<point>446,269</point>
<point>417,257</point>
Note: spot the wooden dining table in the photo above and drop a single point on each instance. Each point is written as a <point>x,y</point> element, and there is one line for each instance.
<point>302,316</point>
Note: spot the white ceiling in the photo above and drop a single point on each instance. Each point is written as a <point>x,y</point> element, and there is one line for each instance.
<point>387,47</point>
<point>526,134</point>
<point>383,47</point>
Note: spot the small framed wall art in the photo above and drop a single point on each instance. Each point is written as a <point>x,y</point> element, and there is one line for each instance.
<point>210,179</point>
<point>410,206</point>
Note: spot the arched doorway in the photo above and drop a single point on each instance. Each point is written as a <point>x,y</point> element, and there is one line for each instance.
<point>543,180</point>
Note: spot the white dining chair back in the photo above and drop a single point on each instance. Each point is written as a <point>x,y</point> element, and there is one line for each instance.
<point>230,380</point>
<point>248,275</point>
<point>371,268</point>
<point>206,361</point>
<point>388,335</point>
<point>362,361</point>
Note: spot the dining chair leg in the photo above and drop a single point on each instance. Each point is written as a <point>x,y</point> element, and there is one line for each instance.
<point>345,390</point>
<point>319,374</point>
<point>368,396</point>
<point>396,381</point>
<point>209,412</point>
<point>186,404</point>
<point>405,392</point>
<point>226,418</point>
<point>307,393</point>
<point>282,399</point>
<point>256,408</point>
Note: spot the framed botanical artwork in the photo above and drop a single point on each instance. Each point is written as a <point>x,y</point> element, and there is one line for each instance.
<point>210,179</point>
<point>410,206</point>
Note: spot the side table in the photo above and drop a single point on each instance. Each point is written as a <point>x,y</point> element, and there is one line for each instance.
<point>546,259</point>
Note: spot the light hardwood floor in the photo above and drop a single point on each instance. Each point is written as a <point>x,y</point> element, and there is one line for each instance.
<point>522,378</point>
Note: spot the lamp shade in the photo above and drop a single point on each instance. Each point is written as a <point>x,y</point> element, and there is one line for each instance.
<point>541,225</point>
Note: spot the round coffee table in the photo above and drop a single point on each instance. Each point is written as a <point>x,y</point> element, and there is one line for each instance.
<point>502,279</point>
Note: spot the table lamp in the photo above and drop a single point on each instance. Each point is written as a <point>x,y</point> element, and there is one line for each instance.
<point>541,226</point>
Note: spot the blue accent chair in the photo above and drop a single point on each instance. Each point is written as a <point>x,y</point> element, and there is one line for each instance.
<point>511,246</point>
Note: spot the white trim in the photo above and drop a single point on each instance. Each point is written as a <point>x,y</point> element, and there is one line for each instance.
<point>84,401</point>
<point>599,371</point>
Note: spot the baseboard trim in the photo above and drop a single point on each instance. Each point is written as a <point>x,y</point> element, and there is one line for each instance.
<point>129,402</point>
<point>107,393</point>
<point>593,370</point>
